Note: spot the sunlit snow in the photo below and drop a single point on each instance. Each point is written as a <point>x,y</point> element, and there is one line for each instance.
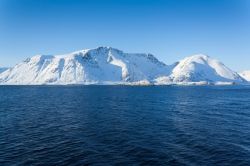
<point>106,65</point>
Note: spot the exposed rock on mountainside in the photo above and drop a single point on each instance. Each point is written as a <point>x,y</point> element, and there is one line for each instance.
<point>106,65</point>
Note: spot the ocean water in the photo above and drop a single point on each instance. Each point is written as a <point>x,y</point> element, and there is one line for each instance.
<point>124,125</point>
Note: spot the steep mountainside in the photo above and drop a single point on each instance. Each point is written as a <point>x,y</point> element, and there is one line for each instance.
<point>203,68</point>
<point>103,65</point>
<point>106,65</point>
<point>245,75</point>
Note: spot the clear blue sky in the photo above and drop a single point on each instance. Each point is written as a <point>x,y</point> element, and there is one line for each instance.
<point>169,29</point>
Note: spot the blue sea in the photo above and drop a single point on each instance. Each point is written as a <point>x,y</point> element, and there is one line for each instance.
<point>124,125</point>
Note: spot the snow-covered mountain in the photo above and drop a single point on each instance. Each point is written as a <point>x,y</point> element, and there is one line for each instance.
<point>245,75</point>
<point>106,65</point>
<point>202,68</point>
<point>103,65</point>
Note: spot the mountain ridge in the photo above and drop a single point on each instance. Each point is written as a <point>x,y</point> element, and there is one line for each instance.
<point>107,65</point>
<point>245,74</point>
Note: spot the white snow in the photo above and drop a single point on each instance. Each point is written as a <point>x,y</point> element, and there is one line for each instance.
<point>245,75</point>
<point>103,65</point>
<point>106,65</point>
<point>200,67</point>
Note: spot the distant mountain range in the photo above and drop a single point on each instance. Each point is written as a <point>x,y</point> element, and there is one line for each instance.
<point>109,66</point>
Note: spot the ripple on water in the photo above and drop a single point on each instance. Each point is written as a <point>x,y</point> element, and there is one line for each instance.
<point>119,125</point>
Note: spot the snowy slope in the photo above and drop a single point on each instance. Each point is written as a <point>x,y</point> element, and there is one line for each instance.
<point>245,75</point>
<point>103,65</point>
<point>106,65</point>
<point>202,68</point>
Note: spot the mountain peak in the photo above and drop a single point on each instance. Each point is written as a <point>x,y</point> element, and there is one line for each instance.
<point>107,48</point>
<point>201,67</point>
<point>198,57</point>
<point>101,65</point>
<point>108,65</point>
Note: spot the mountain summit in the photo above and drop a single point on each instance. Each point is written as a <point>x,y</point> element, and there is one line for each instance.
<point>203,68</point>
<point>107,65</point>
<point>103,65</point>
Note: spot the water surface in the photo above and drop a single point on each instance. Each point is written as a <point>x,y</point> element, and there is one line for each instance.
<point>124,125</point>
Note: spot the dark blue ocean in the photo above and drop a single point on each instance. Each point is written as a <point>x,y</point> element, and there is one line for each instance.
<point>124,125</point>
